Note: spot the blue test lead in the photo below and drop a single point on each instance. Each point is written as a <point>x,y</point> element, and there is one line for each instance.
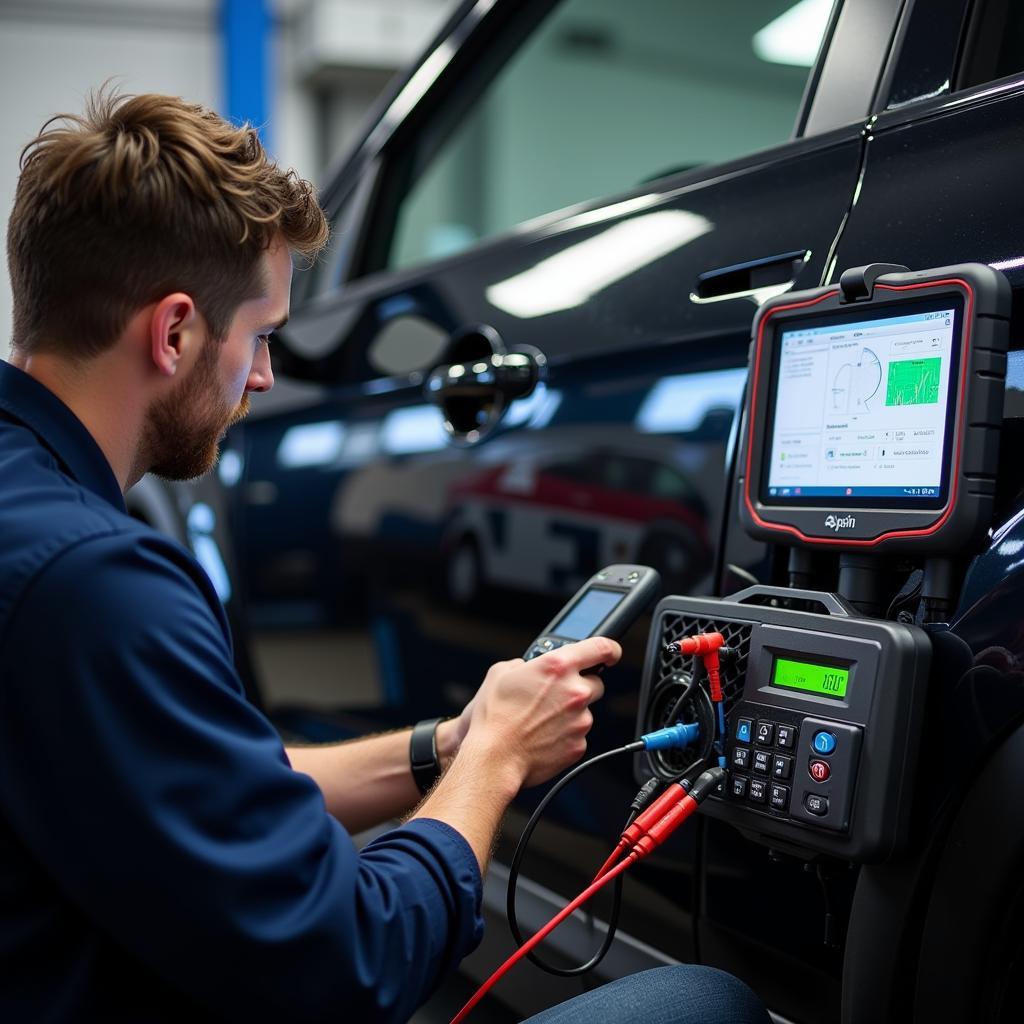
<point>674,737</point>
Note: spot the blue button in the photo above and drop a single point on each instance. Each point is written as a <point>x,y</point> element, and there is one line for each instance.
<point>823,743</point>
<point>743,727</point>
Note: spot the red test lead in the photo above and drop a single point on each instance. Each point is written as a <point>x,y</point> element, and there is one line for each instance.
<point>643,821</point>
<point>541,935</point>
<point>658,831</point>
<point>706,646</point>
<point>666,815</point>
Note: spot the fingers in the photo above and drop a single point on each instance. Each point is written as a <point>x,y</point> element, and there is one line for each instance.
<point>576,659</point>
<point>541,708</point>
<point>584,654</point>
<point>579,690</point>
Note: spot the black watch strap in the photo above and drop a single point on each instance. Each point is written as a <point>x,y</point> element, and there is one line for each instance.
<point>426,768</point>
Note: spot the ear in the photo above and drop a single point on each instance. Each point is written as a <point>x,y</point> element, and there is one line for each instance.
<point>173,328</point>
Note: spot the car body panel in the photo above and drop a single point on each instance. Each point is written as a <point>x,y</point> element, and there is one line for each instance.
<point>393,567</point>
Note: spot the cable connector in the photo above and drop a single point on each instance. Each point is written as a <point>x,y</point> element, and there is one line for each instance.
<point>658,831</point>
<point>677,736</point>
<point>645,794</point>
<point>672,795</point>
<point>707,782</point>
<point>700,643</point>
<point>706,646</point>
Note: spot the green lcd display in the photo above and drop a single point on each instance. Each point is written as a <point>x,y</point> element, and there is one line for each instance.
<point>824,680</point>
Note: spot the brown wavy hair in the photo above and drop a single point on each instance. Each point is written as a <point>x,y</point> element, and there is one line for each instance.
<point>139,197</point>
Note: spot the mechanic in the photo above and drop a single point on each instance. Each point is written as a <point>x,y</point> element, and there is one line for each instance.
<point>162,856</point>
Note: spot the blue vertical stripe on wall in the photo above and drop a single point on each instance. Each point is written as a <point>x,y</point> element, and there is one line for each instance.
<point>245,61</point>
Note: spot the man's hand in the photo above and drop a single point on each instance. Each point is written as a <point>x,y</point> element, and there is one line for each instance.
<point>537,713</point>
<point>527,722</point>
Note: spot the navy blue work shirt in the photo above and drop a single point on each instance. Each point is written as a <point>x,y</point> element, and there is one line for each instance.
<point>159,858</point>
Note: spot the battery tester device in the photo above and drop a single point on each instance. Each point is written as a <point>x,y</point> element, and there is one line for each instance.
<point>824,714</point>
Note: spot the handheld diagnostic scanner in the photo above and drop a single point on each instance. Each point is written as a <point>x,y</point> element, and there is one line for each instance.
<point>606,605</point>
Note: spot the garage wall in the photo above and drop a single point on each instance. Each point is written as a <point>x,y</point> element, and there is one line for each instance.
<point>329,58</point>
<point>52,53</point>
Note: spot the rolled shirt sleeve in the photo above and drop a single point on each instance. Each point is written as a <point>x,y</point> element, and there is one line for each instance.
<point>163,806</point>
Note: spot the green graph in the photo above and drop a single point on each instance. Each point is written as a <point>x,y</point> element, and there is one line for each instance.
<point>913,382</point>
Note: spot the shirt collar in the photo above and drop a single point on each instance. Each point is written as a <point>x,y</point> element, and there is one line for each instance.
<point>60,430</point>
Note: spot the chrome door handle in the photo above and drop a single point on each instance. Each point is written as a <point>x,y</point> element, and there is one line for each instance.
<point>513,375</point>
<point>480,380</point>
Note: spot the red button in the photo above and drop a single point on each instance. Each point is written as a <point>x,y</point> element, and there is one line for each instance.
<point>820,771</point>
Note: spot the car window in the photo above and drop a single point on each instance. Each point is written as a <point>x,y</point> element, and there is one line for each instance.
<point>601,97</point>
<point>579,470</point>
<point>618,474</point>
<point>668,482</point>
<point>995,43</point>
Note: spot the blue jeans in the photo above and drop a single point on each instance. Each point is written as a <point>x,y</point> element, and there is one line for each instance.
<point>686,994</point>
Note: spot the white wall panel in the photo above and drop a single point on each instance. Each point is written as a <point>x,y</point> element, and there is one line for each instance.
<point>328,59</point>
<point>51,55</point>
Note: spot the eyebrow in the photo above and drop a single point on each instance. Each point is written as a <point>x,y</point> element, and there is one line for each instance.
<point>279,324</point>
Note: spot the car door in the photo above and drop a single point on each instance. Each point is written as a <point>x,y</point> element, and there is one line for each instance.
<point>940,187</point>
<point>579,206</point>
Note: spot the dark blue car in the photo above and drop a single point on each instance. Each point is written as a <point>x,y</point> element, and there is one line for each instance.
<point>580,205</point>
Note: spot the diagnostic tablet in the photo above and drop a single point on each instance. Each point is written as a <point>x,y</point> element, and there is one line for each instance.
<point>874,410</point>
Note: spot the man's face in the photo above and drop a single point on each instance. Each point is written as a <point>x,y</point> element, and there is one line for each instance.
<point>184,429</point>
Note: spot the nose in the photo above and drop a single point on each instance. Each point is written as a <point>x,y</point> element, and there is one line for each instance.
<point>261,376</point>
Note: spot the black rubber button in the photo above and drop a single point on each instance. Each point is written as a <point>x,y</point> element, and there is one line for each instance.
<point>816,804</point>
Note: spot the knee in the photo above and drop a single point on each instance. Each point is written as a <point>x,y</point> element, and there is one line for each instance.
<point>682,994</point>
<point>705,995</point>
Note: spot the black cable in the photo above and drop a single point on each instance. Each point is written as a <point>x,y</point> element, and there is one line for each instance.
<point>513,875</point>
<point>682,699</point>
<point>908,594</point>
<point>705,713</point>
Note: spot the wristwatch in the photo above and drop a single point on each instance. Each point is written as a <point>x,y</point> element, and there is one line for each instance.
<point>426,766</point>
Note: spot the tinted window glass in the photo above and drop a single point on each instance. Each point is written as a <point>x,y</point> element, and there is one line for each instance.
<point>601,97</point>
<point>995,43</point>
<point>667,483</point>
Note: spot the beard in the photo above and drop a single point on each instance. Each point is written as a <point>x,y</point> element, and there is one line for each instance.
<point>185,428</point>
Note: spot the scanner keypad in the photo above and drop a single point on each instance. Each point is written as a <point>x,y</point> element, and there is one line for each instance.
<point>792,766</point>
